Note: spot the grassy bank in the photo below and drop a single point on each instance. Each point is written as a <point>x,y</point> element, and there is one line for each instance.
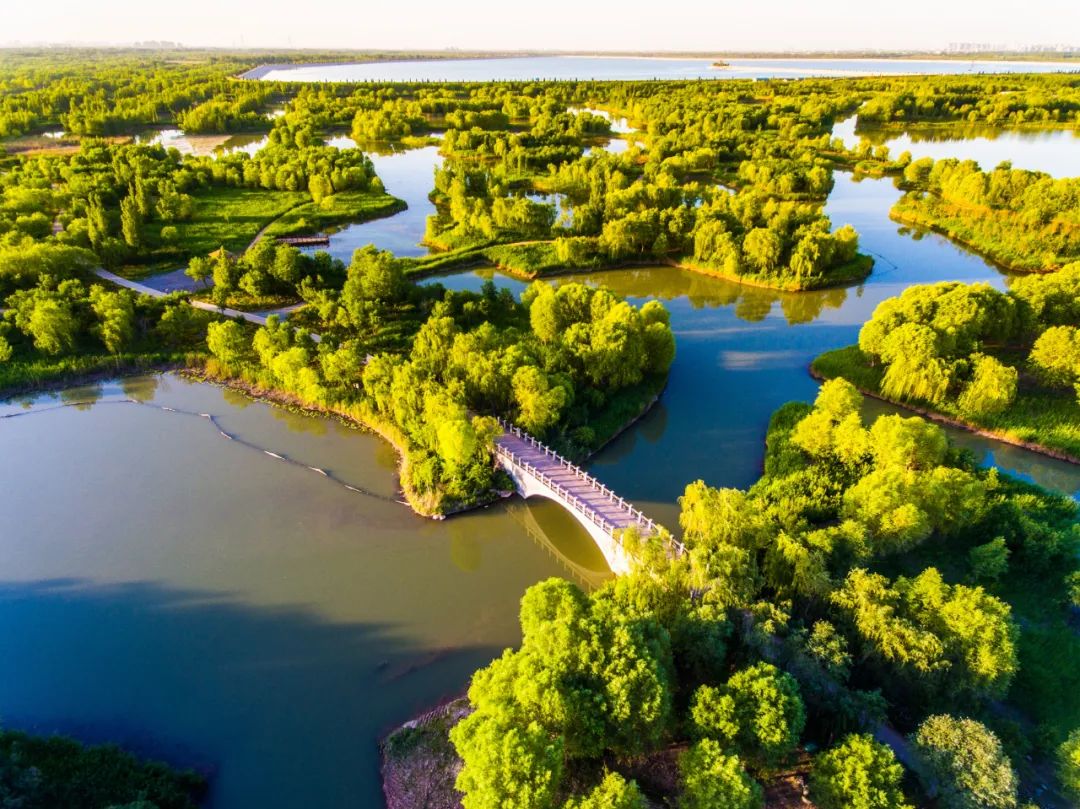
<point>220,217</point>
<point>346,207</point>
<point>852,272</point>
<point>22,376</point>
<point>1041,420</point>
<point>231,217</point>
<point>989,240</point>
<point>234,217</point>
<point>533,260</point>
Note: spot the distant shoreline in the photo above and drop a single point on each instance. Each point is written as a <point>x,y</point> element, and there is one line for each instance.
<point>1063,63</point>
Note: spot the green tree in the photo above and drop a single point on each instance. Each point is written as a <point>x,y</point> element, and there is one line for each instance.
<point>373,275</point>
<point>712,712</point>
<point>180,325</point>
<point>766,713</point>
<point>228,342</point>
<point>226,274</point>
<point>950,639</point>
<point>907,443</point>
<point>130,222</point>
<point>762,248</point>
<point>659,347</point>
<point>1056,356</point>
<point>712,780</point>
<point>614,792</point>
<point>319,187</point>
<point>915,370</point>
<point>53,325</point>
<point>989,562</point>
<point>834,428</point>
<point>506,763</point>
<point>98,227</point>
<point>115,312</point>
<point>1069,765</point>
<point>539,402</point>
<point>961,761</point>
<point>859,773</point>
<point>199,270</point>
<point>992,388</point>
<point>140,192</point>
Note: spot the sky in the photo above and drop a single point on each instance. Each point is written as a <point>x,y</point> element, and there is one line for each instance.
<point>594,25</point>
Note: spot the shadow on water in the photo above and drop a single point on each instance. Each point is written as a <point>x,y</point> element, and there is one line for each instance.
<point>203,600</point>
<point>125,662</point>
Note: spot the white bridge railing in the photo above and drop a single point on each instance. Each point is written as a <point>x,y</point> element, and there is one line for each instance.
<point>571,500</point>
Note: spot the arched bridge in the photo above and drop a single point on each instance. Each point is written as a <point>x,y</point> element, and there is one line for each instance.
<point>538,471</point>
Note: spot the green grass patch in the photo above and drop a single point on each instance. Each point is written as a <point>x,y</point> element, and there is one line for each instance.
<point>525,259</point>
<point>346,207</point>
<point>231,218</point>
<point>450,260</point>
<point>850,363</point>
<point>221,217</point>
<point>1047,687</point>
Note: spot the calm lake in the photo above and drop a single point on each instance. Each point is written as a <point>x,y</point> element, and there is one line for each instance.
<point>198,599</point>
<point>1056,151</point>
<point>629,68</point>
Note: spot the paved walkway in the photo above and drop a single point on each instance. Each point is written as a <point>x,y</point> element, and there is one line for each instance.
<point>143,289</point>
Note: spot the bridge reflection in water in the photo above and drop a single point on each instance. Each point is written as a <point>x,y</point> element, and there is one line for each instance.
<point>557,533</point>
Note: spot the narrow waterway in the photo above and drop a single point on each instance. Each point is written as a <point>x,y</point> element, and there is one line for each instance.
<point>408,175</point>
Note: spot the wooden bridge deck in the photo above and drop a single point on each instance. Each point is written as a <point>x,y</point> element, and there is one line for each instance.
<point>320,239</point>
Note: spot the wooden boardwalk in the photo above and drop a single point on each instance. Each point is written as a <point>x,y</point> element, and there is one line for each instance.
<point>320,239</point>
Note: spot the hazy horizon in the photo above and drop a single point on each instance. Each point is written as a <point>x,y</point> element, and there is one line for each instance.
<point>481,25</point>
